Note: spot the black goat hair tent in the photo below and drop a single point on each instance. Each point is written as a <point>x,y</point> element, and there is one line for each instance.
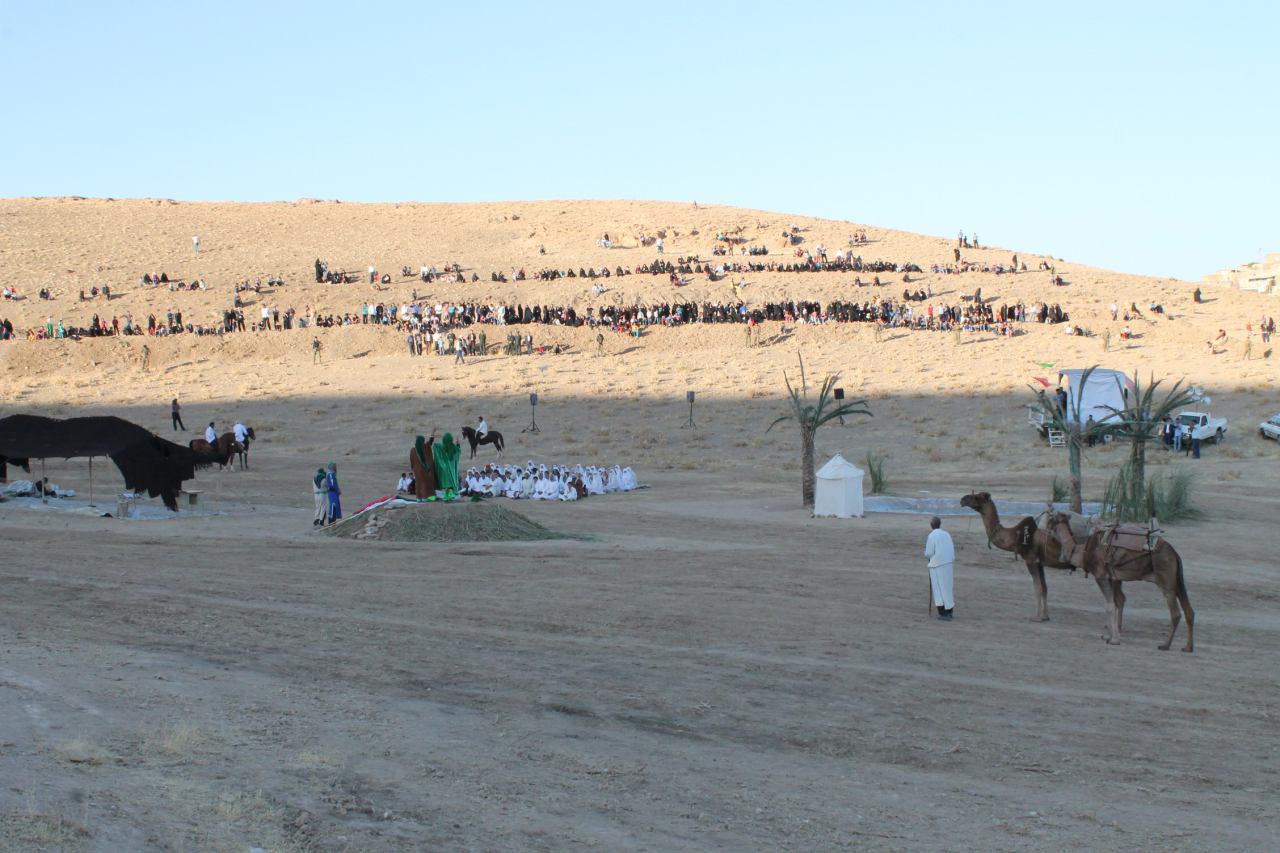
<point>148,462</point>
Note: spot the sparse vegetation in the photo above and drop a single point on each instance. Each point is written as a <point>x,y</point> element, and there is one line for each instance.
<point>1166,497</point>
<point>810,416</point>
<point>1074,430</point>
<point>180,741</point>
<point>1140,422</point>
<point>875,470</point>
<point>32,828</point>
<point>1058,490</point>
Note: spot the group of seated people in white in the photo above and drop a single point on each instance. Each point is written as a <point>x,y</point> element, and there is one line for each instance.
<point>540,482</point>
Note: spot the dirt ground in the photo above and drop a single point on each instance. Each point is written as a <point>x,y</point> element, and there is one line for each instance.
<point>712,669</point>
<point>704,666</point>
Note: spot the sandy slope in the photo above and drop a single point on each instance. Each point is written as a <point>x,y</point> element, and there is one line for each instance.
<point>713,669</point>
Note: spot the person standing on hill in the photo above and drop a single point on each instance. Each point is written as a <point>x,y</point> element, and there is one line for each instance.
<point>195,241</point>
<point>941,553</point>
<point>175,412</point>
<point>334,492</point>
<point>423,465</point>
<point>320,491</point>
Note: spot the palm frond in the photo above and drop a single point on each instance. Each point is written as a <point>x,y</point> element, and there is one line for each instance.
<point>823,409</point>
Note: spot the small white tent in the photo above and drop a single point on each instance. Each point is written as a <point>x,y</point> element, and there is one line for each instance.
<point>1106,389</point>
<point>838,490</point>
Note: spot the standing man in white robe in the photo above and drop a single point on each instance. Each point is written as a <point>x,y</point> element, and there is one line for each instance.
<point>941,553</point>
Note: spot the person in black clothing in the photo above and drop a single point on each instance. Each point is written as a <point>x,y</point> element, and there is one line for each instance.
<point>176,413</point>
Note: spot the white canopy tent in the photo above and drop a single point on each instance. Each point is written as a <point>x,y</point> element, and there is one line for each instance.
<point>838,490</point>
<point>1104,390</point>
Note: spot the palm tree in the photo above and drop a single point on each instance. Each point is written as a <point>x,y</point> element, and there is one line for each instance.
<point>1075,430</point>
<point>811,415</point>
<point>1140,421</point>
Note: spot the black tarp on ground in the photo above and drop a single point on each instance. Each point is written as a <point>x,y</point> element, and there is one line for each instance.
<point>149,463</point>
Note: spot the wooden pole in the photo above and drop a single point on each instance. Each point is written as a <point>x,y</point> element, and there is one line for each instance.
<point>90,481</point>
<point>44,496</point>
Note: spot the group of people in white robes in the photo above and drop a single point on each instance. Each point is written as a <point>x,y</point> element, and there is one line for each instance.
<point>547,483</point>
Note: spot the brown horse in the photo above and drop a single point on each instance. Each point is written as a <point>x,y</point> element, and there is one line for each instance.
<point>221,453</point>
<point>243,453</point>
<point>1109,564</point>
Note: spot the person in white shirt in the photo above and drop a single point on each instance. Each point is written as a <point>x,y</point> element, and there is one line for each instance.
<point>241,431</point>
<point>406,483</point>
<point>941,553</point>
<point>482,429</point>
<point>210,434</point>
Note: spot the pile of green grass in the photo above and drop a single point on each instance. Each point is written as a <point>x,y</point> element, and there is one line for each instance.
<point>461,521</point>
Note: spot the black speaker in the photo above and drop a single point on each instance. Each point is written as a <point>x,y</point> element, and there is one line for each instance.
<point>533,399</point>
<point>688,395</point>
<point>839,393</point>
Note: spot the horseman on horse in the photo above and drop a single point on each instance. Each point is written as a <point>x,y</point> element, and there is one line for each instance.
<point>481,434</point>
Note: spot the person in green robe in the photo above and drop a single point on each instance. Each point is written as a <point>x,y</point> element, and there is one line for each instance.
<point>446,455</point>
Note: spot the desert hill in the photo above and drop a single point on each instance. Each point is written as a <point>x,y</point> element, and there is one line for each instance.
<point>697,664</point>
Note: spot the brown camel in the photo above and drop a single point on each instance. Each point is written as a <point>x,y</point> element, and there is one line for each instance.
<point>1109,564</point>
<point>1036,547</point>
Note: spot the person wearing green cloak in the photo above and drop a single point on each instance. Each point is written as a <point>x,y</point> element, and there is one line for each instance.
<point>423,464</point>
<point>447,455</point>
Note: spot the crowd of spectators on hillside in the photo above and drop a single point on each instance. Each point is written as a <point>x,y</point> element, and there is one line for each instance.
<point>417,316</point>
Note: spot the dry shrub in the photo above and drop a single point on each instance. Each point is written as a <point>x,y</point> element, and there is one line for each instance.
<point>31,829</point>
<point>180,741</point>
<point>80,751</point>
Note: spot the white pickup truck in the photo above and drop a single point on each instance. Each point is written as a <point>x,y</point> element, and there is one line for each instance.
<point>1203,426</point>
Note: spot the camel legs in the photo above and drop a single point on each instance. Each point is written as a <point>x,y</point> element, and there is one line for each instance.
<point>1191,620</point>
<point>1171,599</point>
<point>1036,569</point>
<point>1182,599</point>
<point>1113,615</point>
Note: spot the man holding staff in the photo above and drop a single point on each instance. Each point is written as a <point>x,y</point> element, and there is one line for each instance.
<point>941,553</point>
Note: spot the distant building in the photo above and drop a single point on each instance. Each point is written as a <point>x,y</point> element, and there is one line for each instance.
<point>1260,276</point>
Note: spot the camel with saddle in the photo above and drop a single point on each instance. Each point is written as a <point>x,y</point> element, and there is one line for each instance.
<point>1129,552</point>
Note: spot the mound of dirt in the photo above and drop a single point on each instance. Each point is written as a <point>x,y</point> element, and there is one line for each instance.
<point>463,521</point>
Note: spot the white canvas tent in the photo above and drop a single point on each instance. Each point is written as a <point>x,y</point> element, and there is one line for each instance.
<point>838,490</point>
<point>1105,388</point>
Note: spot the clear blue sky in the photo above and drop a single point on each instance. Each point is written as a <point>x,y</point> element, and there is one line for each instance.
<point>1138,136</point>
